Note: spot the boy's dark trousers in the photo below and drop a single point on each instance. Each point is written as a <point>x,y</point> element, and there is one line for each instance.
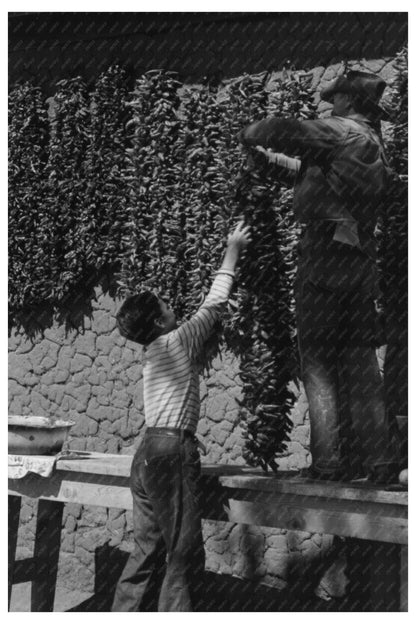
<point>165,483</point>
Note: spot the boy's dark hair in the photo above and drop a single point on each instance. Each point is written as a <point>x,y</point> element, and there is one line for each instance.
<point>136,317</point>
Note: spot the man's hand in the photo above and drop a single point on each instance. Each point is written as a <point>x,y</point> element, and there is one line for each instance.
<point>241,139</point>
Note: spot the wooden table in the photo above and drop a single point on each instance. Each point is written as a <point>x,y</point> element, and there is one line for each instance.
<point>232,493</point>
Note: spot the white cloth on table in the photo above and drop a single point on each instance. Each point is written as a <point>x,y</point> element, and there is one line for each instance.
<point>20,465</point>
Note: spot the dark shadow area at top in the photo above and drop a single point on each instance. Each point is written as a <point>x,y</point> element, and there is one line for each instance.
<point>47,47</point>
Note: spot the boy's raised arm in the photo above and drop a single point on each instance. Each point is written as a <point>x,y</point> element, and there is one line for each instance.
<point>196,331</point>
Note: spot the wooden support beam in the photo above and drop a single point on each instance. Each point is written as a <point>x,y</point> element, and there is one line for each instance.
<point>46,554</point>
<point>24,570</point>
<point>404,578</point>
<point>385,577</point>
<point>289,483</point>
<point>379,522</point>
<point>15,503</point>
<point>71,487</point>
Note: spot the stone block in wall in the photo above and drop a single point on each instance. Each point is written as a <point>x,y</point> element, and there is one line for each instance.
<point>317,74</point>
<point>236,391</point>
<point>79,362</point>
<point>113,446</point>
<point>115,354</point>
<point>91,539</point>
<point>43,350</point>
<point>294,459</point>
<point>389,72</point>
<point>330,73</point>
<point>94,409</point>
<point>125,428</point>
<point>277,563</point>
<point>85,344</point>
<point>234,443</point>
<point>65,355</point>
<point>27,511</point>
<point>39,405</point>
<point>231,421</point>
<point>103,398</point>
<point>107,303</point>
<point>104,323</point>
<point>77,444</point>
<point>310,549</point>
<point>248,550</point>
<point>14,340</point>
<point>203,390</point>
<point>116,537</point>
<point>96,445</point>
<point>70,523</point>
<point>300,410</point>
<point>203,427</point>
<point>104,344</point>
<point>80,392</point>
<point>130,356</point>
<point>214,453</point>
<point>334,582</point>
<point>296,538</point>
<point>301,434</point>
<point>68,541</point>
<point>219,434</point>
<point>91,516</point>
<point>373,65</point>
<point>277,542</point>
<point>109,414</point>
<point>120,399</point>
<point>85,576</point>
<point>75,509</point>
<point>19,397</point>
<point>102,363</point>
<point>215,408</point>
<point>24,345</point>
<point>23,552</point>
<point>61,375</point>
<point>69,404</point>
<point>21,370</point>
<point>134,373</point>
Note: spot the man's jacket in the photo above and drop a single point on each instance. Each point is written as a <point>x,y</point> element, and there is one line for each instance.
<point>339,191</point>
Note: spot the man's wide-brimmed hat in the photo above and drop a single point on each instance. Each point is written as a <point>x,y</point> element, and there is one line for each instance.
<point>366,88</point>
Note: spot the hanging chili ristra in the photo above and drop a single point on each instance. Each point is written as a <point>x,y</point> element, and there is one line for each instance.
<point>30,278</point>
<point>66,215</point>
<point>104,233</point>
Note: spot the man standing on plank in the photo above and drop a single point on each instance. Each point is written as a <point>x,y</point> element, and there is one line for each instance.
<point>339,190</point>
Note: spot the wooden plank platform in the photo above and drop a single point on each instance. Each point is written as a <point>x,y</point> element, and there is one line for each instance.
<point>231,493</point>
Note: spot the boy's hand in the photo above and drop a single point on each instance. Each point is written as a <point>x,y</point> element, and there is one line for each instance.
<point>240,237</point>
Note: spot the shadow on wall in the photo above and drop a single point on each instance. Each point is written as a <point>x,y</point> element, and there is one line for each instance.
<point>73,309</point>
<point>229,594</point>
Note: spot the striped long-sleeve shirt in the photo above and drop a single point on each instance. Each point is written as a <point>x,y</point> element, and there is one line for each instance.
<point>170,372</point>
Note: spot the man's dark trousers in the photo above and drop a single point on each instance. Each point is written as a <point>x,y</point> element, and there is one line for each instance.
<point>165,483</point>
<point>337,334</point>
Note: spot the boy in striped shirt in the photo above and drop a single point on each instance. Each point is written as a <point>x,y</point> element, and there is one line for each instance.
<point>166,467</point>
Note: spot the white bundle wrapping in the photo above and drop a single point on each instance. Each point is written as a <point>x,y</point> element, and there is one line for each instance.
<point>20,465</point>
